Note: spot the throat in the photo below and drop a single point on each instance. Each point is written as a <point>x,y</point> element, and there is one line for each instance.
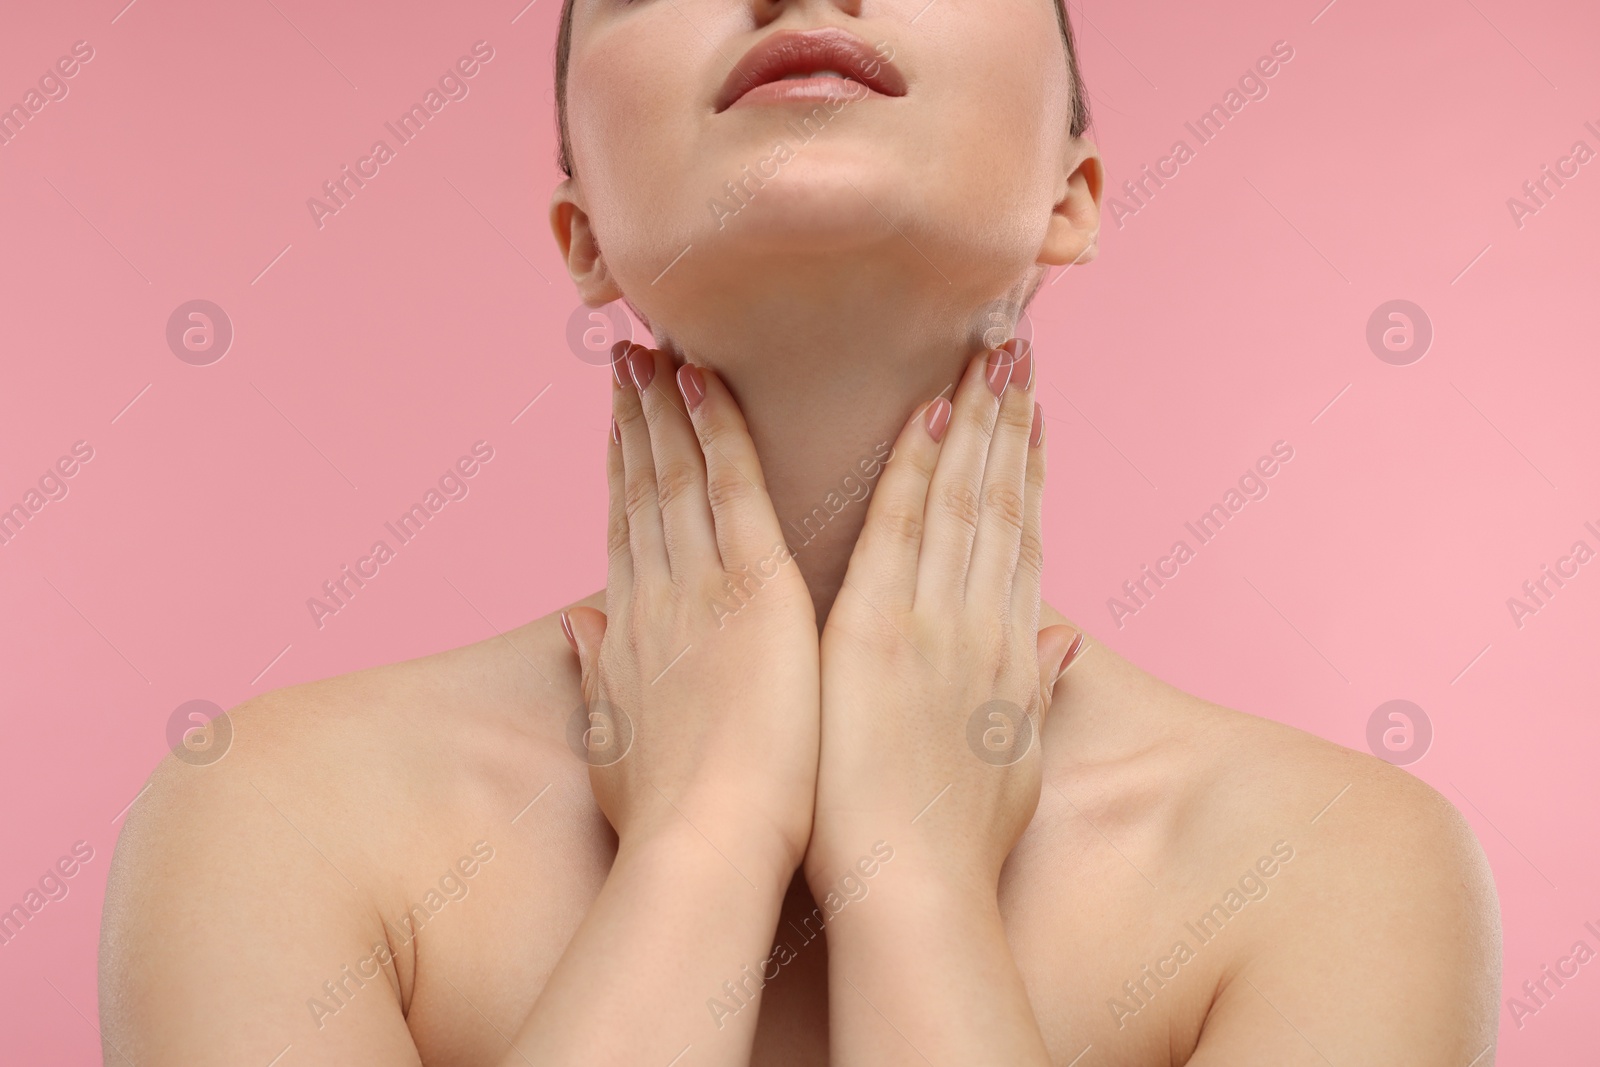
<point>828,366</point>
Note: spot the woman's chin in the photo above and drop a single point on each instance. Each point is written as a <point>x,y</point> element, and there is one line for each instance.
<point>824,238</point>
<point>796,216</point>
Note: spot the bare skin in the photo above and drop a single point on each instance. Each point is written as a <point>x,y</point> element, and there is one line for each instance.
<point>413,863</point>
<point>417,863</point>
<point>223,919</point>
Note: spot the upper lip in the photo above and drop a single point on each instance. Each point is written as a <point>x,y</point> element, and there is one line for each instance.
<point>803,51</point>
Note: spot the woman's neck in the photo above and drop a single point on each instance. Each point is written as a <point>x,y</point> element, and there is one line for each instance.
<point>825,396</point>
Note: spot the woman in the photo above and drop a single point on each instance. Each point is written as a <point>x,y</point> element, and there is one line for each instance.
<point>824,780</point>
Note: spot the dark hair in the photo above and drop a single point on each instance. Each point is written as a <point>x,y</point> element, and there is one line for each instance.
<point>1080,101</point>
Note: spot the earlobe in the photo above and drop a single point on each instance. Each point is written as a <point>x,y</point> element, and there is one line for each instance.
<point>579,249</point>
<point>1074,232</point>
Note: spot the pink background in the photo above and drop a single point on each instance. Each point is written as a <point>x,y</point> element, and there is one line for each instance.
<point>1226,314</point>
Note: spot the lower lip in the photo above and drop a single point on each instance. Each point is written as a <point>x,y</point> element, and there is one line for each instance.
<point>805,91</point>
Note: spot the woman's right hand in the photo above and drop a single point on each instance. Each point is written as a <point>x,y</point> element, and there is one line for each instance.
<point>700,680</point>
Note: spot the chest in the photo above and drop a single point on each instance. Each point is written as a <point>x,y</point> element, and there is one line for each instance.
<point>1096,943</point>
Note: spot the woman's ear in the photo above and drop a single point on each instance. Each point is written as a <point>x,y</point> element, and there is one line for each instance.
<point>1074,232</point>
<point>575,237</point>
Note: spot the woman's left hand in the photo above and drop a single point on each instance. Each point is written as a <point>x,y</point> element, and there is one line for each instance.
<point>935,681</point>
<point>935,677</point>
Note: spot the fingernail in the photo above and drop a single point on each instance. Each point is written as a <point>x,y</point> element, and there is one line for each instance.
<point>566,629</point>
<point>997,372</point>
<point>1036,438</point>
<point>1072,654</point>
<point>937,419</point>
<point>692,384</point>
<point>641,366</point>
<point>619,354</point>
<point>616,434</point>
<point>1022,362</point>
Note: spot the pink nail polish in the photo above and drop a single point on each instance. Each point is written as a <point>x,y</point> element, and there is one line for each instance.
<point>937,420</point>
<point>566,630</point>
<point>616,434</point>
<point>692,384</point>
<point>641,366</point>
<point>997,370</point>
<point>1072,654</point>
<point>1022,356</point>
<point>1036,438</point>
<point>619,356</point>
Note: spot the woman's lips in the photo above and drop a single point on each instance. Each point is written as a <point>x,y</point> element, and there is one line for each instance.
<point>809,65</point>
<point>804,90</point>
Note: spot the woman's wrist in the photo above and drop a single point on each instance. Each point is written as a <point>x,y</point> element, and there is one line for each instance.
<point>928,895</point>
<point>939,867</point>
<point>675,851</point>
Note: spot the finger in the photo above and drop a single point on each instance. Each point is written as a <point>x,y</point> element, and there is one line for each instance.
<point>747,528</point>
<point>1025,586</point>
<point>687,529</point>
<point>645,536</point>
<point>619,550</point>
<point>1059,648</point>
<point>1002,510</point>
<point>953,494</point>
<point>883,564</point>
<point>586,629</point>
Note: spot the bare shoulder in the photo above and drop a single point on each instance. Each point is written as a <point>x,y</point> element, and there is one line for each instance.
<point>1386,936</point>
<point>391,740</point>
<point>1251,771</point>
<point>1356,907</point>
<point>246,877</point>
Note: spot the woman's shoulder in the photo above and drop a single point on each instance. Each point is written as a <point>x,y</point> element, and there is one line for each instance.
<point>414,711</point>
<point>1191,763</point>
<point>1338,799</point>
<point>1371,879</point>
<point>1237,773</point>
<point>357,764</point>
<point>252,866</point>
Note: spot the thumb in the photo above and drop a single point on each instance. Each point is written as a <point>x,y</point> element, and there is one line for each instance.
<point>1059,646</point>
<point>585,628</point>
